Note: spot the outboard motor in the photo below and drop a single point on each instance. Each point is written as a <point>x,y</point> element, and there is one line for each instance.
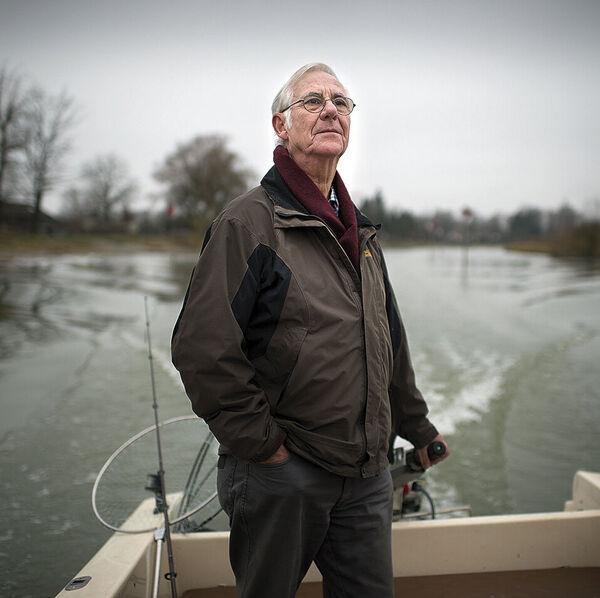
<point>408,479</point>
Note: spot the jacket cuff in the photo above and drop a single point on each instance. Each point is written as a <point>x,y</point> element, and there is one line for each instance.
<point>276,439</point>
<point>420,433</point>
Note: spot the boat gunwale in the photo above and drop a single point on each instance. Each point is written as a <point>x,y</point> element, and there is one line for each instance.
<point>481,544</point>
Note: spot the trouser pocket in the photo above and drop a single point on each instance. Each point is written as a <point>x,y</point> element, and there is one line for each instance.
<point>279,520</point>
<point>225,470</point>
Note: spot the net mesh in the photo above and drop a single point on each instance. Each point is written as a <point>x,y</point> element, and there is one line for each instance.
<point>189,452</point>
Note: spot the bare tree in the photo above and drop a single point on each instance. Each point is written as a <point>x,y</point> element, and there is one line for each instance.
<point>48,120</point>
<point>73,208</point>
<point>201,176</point>
<point>106,186</point>
<point>12,130</point>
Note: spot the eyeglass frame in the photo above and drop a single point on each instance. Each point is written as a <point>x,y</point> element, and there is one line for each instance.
<point>305,98</point>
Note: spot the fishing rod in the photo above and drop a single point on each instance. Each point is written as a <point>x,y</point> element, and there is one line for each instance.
<point>156,483</point>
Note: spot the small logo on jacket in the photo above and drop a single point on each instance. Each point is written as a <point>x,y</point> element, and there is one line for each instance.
<point>367,253</point>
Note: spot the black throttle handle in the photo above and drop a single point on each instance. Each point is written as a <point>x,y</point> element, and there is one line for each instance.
<point>434,451</point>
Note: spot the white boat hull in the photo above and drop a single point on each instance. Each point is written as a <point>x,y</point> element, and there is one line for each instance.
<point>565,541</point>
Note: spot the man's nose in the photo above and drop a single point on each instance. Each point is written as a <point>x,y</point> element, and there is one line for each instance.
<point>329,110</point>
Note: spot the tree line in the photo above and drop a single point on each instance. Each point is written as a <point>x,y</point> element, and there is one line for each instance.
<point>564,231</point>
<point>198,177</point>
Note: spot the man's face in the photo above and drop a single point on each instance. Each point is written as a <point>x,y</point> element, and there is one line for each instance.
<point>324,134</point>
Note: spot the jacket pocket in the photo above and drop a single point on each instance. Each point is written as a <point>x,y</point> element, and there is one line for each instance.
<point>275,367</point>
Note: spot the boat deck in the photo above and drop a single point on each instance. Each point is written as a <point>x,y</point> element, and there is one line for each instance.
<point>547,583</point>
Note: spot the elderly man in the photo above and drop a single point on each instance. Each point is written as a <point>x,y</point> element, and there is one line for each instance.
<point>291,348</point>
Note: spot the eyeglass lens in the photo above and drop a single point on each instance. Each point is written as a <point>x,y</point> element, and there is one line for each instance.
<point>316,103</point>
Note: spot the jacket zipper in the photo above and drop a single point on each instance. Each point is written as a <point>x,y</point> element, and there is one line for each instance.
<point>361,248</point>
<point>358,283</point>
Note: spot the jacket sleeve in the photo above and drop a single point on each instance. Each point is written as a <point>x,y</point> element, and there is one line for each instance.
<point>210,352</point>
<point>409,410</point>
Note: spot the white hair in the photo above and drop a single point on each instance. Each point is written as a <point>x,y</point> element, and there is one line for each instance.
<point>284,96</point>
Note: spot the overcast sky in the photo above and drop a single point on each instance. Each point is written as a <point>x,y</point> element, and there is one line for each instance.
<point>494,105</point>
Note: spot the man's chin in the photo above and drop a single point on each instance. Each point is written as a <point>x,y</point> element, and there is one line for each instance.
<point>329,148</point>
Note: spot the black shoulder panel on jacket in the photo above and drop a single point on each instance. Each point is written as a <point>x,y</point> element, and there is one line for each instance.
<point>206,238</point>
<point>187,292</point>
<point>390,308</point>
<point>259,301</point>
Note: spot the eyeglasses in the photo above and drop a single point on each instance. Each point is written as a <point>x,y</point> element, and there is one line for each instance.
<point>316,103</point>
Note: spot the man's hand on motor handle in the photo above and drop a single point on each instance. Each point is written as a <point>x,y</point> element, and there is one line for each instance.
<point>427,457</point>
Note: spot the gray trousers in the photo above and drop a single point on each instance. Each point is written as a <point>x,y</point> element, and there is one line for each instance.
<point>285,515</point>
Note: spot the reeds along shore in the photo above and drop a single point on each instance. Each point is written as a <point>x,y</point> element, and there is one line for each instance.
<point>582,241</point>
<point>26,244</point>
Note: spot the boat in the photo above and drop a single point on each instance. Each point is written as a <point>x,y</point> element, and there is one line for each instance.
<point>540,555</point>
<point>546,555</point>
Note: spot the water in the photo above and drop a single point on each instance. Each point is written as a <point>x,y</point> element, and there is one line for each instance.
<point>506,351</point>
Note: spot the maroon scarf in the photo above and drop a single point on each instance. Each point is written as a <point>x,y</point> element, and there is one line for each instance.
<point>344,227</point>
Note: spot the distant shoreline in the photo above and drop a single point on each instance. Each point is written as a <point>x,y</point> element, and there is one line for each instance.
<point>15,245</point>
<point>580,242</point>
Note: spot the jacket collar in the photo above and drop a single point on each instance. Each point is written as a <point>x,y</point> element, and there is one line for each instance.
<point>280,193</point>
<point>282,197</point>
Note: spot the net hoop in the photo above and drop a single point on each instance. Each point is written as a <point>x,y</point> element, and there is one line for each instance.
<point>126,444</point>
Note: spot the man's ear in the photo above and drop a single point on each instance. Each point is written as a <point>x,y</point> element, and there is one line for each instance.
<point>280,126</point>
